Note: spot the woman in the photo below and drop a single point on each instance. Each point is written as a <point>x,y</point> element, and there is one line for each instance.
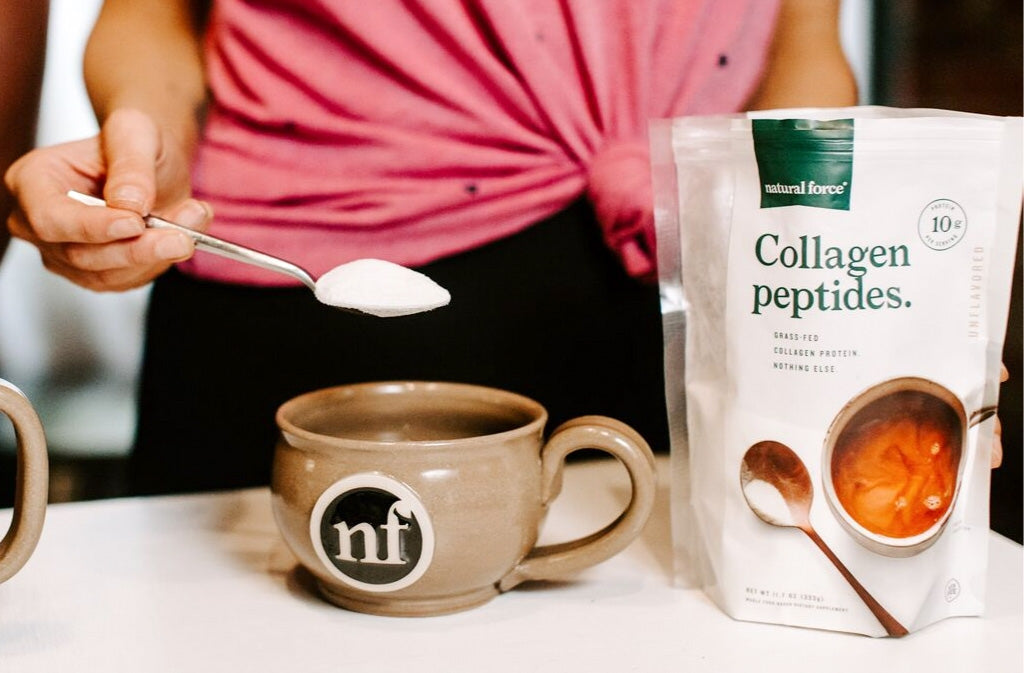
<point>497,146</point>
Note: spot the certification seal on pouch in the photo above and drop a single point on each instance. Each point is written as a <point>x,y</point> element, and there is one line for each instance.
<point>942,224</point>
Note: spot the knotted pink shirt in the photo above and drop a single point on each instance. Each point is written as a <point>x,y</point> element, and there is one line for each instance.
<point>414,130</point>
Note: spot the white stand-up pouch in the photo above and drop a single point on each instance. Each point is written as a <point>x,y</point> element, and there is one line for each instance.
<point>835,287</point>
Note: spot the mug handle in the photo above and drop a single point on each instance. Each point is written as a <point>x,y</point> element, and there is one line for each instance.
<point>625,444</point>
<point>31,485</point>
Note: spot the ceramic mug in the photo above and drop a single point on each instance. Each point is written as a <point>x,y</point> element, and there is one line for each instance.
<point>423,498</point>
<point>32,482</point>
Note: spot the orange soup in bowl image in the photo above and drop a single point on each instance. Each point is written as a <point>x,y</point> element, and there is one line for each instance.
<point>892,464</point>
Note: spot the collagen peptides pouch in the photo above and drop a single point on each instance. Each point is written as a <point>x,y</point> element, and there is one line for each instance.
<point>835,287</point>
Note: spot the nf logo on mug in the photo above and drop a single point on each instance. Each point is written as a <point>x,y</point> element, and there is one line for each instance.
<point>372,532</point>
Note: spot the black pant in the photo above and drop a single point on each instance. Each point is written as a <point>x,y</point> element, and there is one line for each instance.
<point>548,313</point>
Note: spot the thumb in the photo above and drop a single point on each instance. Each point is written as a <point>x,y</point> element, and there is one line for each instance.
<point>131,145</point>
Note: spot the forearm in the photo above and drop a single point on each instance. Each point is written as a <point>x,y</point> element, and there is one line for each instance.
<point>807,66</point>
<point>146,55</point>
<point>23,34</point>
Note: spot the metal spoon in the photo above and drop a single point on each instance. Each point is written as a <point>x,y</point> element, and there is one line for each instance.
<point>386,295</point>
<point>218,246</point>
<point>781,467</point>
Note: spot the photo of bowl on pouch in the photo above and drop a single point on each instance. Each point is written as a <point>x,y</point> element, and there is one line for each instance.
<point>893,462</point>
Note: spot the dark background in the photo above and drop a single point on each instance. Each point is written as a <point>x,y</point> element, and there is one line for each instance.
<point>964,55</point>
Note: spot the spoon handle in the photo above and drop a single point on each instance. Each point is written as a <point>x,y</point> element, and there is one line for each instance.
<point>218,246</point>
<point>233,251</point>
<point>980,415</point>
<point>892,627</point>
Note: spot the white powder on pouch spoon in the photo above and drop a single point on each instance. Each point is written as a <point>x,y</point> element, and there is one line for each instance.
<point>766,499</point>
<point>380,288</point>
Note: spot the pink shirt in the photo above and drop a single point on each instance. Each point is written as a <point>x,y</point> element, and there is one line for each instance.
<point>410,131</point>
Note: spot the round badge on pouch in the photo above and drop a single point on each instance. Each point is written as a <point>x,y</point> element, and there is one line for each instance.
<point>372,532</point>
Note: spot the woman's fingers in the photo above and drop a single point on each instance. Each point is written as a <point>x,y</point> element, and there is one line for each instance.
<point>131,148</point>
<point>191,213</point>
<point>64,220</point>
<point>997,440</point>
<point>997,445</point>
<point>120,265</point>
<point>153,249</point>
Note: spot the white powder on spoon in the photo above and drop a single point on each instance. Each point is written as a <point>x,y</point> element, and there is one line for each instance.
<point>380,288</point>
<point>768,502</point>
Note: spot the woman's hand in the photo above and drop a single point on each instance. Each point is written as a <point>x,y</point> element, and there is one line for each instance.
<point>144,75</point>
<point>997,442</point>
<point>138,171</point>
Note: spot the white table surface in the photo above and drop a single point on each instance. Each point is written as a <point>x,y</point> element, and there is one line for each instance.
<point>203,583</point>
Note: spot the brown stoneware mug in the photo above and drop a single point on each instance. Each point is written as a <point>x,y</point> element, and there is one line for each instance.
<point>420,498</point>
<point>31,485</point>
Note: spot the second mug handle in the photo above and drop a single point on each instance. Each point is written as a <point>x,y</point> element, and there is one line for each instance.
<point>625,444</point>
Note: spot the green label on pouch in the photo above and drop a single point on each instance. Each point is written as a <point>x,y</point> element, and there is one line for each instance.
<point>804,162</point>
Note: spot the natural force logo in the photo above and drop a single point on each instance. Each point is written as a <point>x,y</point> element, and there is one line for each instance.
<point>804,162</point>
<point>372,532</point>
